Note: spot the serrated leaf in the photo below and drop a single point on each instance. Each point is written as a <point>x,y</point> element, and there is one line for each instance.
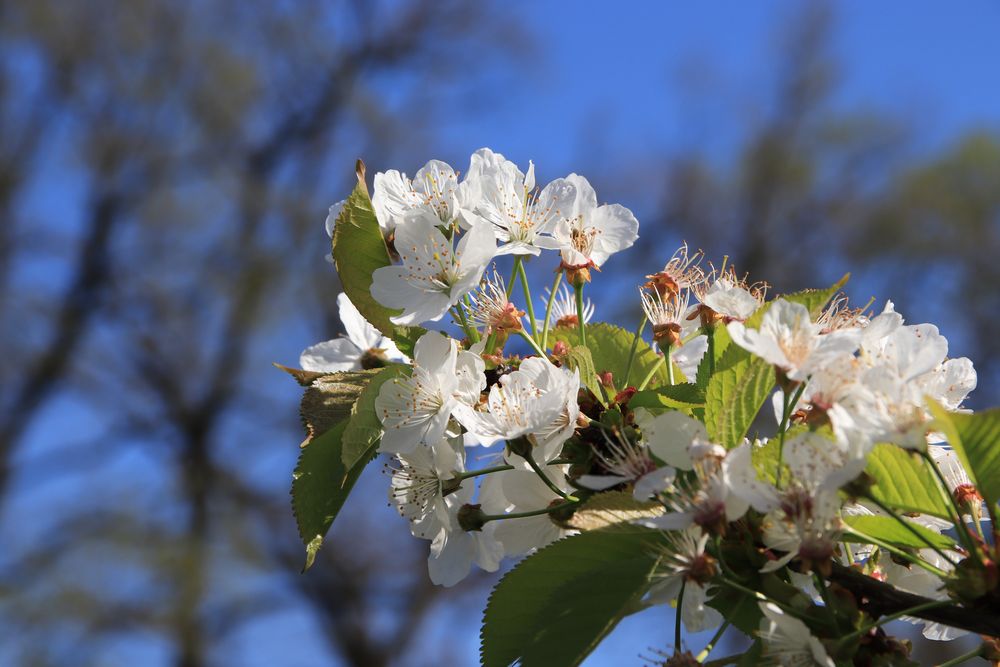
<point>358,250</point>
<point>742,382</point>
<point>887,529</point>
<point>717,346</point>
<point>813,299</point>
<point>609,348</point>
<point>903,481</point>
<point>579,359</point>
<point>976,440</point>
<point>320,485</point>
<point>328,400</point>
<point>303,377</point>
<point>735,395</point>
<point>612,507</point>
<point>364,429</point>
<point>558,603</point>
<point>684,396</point>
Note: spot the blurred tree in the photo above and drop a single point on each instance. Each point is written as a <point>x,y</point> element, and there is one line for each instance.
<point>163,180</point>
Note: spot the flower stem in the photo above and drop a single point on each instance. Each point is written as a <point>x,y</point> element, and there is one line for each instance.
<point>705,652</point>
<point>710,350</point>
<point>513,275</point>
<point>962,659</point>
<point>906,524</point>
<point>527,299</point>
<point>579,314</point>
<point>531,341</point>
<point>678,616</point>
<point>545,478</point>
<point>670,366</point>
<point>470,331</point>
<point>953,509</point>
<point>632,351</point>
<point>937,572</point>
<point>482,471</point>
<point>788,402</point>
<point>857,634</point>
<point>548,308</point>
<point>524,515</point>
<point>651,373</point>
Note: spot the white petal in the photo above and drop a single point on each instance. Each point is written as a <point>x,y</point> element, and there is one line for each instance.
<point>339,354</point>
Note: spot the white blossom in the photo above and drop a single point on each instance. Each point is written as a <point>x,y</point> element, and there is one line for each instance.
<point>415,410</point>
<point>349,353</point>
<point>789,340</point>
<point>434,275</point>
<point>589,234</point>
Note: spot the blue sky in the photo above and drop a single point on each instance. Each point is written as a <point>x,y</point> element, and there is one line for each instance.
<point>609,82</point>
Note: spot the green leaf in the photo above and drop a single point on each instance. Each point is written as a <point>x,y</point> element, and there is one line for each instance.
<point>579,359</point>
<point>320,485</point>
<point>721,341</point>
<point>612,507</point>
<point>364,430</point>
<point>735,394</point>
<point>976,440</point>
<point>556,605</point>
<point>358,250</point>
<point>813,299</point>
<point>742,382</point>
<point>328,400</point>
<point>887,529</point>
<point>736,607</point>
<point>609,347</point>
<point>684,396</point>
<point>903,481</point>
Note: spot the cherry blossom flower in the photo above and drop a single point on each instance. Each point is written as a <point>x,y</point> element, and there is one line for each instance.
<point>563,311</point>
<point>506,199</point>
<point>537,400</point>
<point>419,482</point>
<point>789,340</point>
<point>433,276</point>
<point>434,190</point>
<point>415,410</point>
<point>685,563</point>
<point>523,491</point>
<point>787,640</point>
<point>589,234</point>
<point>363,346</point>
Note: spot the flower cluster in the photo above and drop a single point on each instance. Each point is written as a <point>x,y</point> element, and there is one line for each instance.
<point>669,435</point>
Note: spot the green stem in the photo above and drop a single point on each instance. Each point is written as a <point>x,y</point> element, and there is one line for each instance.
<point>906,524</point>
<point>651,373</point>
<point>953,509</point>
<point>545,478</point>
<point>527,299</point>
<point>710,351</point>
<point>670,366</point>
<point>788,401</point>
<point>705,652</point>
<point>463,320</point>
<point>513,275</point>
<point>482,471</point>
<point>524,515</point>
<point>548,308</point>
<point>579,314</point>
<point>857,634</point>
<point>531,341</point>
<point>632,351</point>
<point>677,617</point>
<point>965,657</point>
<point>899,552</point>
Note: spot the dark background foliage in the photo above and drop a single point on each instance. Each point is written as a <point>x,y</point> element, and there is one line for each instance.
<point>165,169</point>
